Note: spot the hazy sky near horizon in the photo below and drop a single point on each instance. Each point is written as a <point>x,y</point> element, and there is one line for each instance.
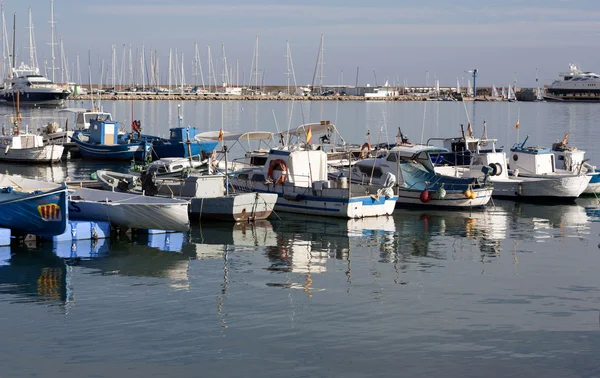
<point>398,40</point>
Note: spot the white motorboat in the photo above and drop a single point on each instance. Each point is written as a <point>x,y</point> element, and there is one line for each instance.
<point>574,85</point>
<point>28,86</point>
<point>533,175</point>
<point>418,182</point>
<point>298,176</point>
<point>208,195</point>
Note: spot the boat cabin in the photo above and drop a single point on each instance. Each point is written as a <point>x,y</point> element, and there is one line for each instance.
<point>21,141</point>
<point>302,167</point>
<point>532,160</point>
<point>182,134</point>
<point>104,132</point>
<point>83,117</point>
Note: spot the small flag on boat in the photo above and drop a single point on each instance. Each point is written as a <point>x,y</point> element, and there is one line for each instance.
<point>220,135</point>
<point>470,130</point>
<point>308,135</point>
<point>517,125</point>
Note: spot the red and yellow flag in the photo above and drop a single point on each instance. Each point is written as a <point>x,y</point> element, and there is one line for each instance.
<point>220,135</point>
<point>308,135</point>
<point>517,125</point>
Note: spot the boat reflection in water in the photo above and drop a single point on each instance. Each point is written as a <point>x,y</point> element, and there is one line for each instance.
<point>540,222</point>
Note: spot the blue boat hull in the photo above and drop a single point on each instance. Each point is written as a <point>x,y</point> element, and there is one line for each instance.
<point>167,149</point>
<point>42,214</point>
<point>116,152</point>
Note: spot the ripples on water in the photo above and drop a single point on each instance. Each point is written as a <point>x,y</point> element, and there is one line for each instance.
<point>511,290</point>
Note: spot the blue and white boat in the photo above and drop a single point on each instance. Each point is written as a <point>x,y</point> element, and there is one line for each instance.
<point>418,182</point>
<point>27,208</point>
<point>102,142</point>
<point>298,176</point>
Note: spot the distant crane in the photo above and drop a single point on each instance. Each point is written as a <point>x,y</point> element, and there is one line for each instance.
<point>474,73</point>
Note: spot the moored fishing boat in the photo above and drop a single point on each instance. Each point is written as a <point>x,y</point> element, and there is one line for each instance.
<point>544,184</point>
<point>573,160</point>
<point>298,175</point>
<point>103,142</point>
<point>418,182</point>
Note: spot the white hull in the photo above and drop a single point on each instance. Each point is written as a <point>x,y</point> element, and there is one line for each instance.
<point>46,154</point>
<point>534,187</point>
<point>330,202</point>
<point>129,210</point>
<point>236,207</point>
<point>413,198</point>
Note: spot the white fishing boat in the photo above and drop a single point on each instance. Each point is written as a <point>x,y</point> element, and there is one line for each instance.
<point>573,160</point>
<point>418,182</point>
<point>208,195</point>
<point>298,176</point>
<point>533,175</point>
<point>28,148</point>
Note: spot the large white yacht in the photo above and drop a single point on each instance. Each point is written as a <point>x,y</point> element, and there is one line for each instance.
<point>575,85</point>
<point>33,88</point>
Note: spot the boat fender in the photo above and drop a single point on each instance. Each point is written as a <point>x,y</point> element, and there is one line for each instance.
<point>425,197</point>
<point>441,192</point>
<point>365,150</point>
<point>7,149</point>
<point>281,164</point>
<point>498,168</point>
<point>469,193</point>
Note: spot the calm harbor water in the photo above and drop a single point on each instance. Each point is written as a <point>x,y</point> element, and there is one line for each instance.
<point>510,290</point>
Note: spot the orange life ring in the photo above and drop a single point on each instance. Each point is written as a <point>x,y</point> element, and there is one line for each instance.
<point>364,154</point>
<point>281,164</point>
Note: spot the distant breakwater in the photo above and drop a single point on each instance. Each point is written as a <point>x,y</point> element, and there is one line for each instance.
<point>210,97</point>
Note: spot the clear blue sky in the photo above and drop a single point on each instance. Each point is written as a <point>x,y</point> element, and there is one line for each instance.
<point>398,39</point>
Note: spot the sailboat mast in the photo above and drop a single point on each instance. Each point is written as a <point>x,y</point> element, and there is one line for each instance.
<point>113,63</point>
<point>64,68</point>
<point>31,63</point>
<point>14,50</point>
<point>224,73</point>
<point>170,69</point>
<point>52,39</point>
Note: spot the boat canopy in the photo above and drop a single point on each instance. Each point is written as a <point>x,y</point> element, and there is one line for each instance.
<point>212,136</point>
<point>415,149</point>
<point>315,128</point>
<point>74,110</point>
